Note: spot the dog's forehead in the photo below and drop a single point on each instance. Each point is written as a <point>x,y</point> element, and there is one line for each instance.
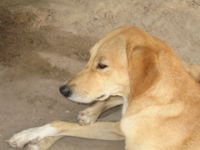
<point>109,46</point>
<point>113,43</point>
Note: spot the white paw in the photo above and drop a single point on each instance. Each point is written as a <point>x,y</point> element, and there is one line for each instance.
<point>86,117</point>
<point>32,147</point>
<point>22,138</point>
<point>33,135</point>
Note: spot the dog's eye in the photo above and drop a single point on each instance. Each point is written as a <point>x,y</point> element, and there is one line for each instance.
<point>101,66</point>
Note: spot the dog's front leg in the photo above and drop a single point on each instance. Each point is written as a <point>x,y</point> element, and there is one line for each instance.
<point>99,130</point>
<point>90,114</point>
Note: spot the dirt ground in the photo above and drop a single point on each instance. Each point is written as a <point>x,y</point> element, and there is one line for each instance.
<point>45,42</point>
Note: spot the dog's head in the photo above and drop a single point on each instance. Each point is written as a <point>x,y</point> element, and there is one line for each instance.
<point>106,74</point>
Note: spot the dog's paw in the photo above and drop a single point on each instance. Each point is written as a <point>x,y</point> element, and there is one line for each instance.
<point>33,135</point>
<point>22,138</point>
<point>32,146</point>
<point>86,117</point>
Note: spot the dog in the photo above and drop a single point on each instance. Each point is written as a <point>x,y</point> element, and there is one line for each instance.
<point>160,94</point>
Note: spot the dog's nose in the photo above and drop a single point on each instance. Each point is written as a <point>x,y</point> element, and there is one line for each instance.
<point>65,90</point>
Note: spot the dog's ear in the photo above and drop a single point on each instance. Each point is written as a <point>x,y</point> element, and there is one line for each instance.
<point>143,69</point>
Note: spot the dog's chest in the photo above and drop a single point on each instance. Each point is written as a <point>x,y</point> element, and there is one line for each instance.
<point>149,126</point>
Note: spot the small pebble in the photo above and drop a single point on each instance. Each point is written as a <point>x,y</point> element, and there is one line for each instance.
<point>67,111</point>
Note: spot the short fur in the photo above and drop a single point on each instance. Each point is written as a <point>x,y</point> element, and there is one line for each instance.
<point>161,101</point>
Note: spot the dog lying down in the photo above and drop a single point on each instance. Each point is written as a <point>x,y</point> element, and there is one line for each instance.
<point>159,92</point>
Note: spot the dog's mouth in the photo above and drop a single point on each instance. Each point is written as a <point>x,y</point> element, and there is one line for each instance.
<point>80,99</point>
<point>102,97</point>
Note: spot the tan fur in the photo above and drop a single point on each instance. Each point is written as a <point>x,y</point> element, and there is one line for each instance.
<point>161,108</point>
<point>164,101</point>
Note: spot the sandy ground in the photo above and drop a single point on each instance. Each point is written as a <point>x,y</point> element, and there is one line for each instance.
<point>45,42</point>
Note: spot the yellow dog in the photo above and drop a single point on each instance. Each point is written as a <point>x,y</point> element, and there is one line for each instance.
<point>161,101</point>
